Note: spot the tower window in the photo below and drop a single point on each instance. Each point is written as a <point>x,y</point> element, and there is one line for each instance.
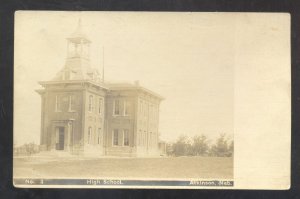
<point>67,75</point>
<point>117,107</point>
<point>126,137</point>
<point>91,103</point>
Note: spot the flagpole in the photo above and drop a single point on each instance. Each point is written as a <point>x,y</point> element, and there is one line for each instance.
<point>102,63</point>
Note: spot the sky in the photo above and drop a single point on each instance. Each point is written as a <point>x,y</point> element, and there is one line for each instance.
<point>190,59</point>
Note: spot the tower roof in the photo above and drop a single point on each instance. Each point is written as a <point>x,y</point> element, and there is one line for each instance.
<point>78,36</point>
<point>77,65</point>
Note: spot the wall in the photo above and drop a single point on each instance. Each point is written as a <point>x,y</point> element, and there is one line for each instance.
<point>51,117</point>
<point>93,119</point>
<point>120,122</point>
<point>147,125</point>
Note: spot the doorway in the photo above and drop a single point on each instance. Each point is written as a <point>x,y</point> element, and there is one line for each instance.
<point>60,138</point>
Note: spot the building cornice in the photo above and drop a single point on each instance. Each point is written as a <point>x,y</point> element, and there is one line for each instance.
<point>101,85</point>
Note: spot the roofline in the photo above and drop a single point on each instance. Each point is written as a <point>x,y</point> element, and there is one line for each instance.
<point>71,82</point>
<point>86,40</point>
<point>151,92</point>
<point>104,86</point>
<point>140,88</point>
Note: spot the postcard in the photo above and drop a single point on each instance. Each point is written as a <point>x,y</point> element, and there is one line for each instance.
<point>176,100</point>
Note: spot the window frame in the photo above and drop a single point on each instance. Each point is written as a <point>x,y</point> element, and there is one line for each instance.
<point>114,109</point>
<point>57,104</point>
<point>126,131</point>
<point>71,102</point>
<point>127,106</point>
<point>114,137</point>
<point>100,106</point>
<point>90,131</point>
<point>99,136</point>
<point>91,103</point>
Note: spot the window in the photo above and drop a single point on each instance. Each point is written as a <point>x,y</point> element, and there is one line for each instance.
<point>126,137</point>
<point>145,109</point>
<point>150,112</point>
<point>141,107</point>
<point>91,103</point>
<point>57,135</point>
<point>100,106</point>
<point>116,137</point>
<point>89,135</point>
<point>57,103</point>
<point>66,75</point>
<point>117,107</point>
<point>126,107</point>
<point>99,135</point>
<point>71,103</point>
<point>155,112</point>
<point>140,138</point>
<point>145,139</point>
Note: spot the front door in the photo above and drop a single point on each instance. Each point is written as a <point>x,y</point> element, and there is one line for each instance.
<point>60,138</point>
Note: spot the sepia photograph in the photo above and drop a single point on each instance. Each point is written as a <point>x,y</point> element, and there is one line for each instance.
<point>144,99</point>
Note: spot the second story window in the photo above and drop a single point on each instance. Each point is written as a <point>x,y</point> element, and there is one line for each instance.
<point>71,104</point>
<point>145,109</point>
<point>100,106</point>
<point>126,108</point>
<point>57,104</point>
<point>141,107</point>
<point>91,103</point>
<point>150,112</point>
<point>117,107</point>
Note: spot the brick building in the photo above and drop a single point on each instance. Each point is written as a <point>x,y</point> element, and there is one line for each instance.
<point>82,114</point>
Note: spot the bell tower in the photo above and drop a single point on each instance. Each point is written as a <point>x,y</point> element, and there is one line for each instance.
<point>77,65</point>
<point>78,45</point>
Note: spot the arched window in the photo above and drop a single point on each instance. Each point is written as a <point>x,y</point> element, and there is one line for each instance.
<point>91,103</point>
<point>89,135</point>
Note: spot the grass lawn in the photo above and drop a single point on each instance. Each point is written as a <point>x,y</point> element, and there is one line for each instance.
<point>164,167</point>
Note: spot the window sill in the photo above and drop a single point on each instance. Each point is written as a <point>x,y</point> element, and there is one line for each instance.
<point>119,146</point>
<point>121,115</point>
